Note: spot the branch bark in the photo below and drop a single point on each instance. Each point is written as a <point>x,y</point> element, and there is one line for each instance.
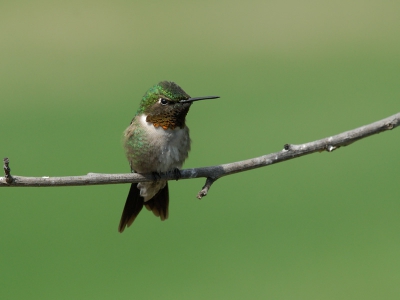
<point>212,173</point>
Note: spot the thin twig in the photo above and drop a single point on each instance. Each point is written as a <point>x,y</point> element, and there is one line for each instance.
<point>212,173</point>
<point>206,188</point>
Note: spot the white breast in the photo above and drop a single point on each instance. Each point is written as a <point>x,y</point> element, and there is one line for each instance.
<point>173,145</point>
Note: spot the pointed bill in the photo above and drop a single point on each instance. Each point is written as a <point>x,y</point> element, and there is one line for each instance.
<point>198,98</point>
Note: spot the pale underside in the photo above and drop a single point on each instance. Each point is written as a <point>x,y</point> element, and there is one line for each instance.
<point>154,149</point>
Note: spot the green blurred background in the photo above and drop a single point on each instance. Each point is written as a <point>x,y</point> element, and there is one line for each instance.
<point>325,226</point>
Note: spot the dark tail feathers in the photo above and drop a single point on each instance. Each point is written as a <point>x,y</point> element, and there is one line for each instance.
<point>134,204</point>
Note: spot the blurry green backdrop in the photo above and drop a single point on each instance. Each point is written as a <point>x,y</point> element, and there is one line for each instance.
<point>324,226</point>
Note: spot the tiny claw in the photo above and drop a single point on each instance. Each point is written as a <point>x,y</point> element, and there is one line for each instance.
<point>177,174</point>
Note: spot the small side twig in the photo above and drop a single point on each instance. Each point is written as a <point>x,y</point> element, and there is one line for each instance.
<point>7,170</point>
<point>206,187</point>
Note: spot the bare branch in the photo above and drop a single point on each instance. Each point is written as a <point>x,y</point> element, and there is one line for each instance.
<point>212,173</point>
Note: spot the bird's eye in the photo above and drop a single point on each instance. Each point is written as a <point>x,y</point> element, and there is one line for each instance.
<point>163,101</point>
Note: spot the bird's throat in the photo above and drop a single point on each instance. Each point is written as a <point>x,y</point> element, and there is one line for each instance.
<point>170,119</point>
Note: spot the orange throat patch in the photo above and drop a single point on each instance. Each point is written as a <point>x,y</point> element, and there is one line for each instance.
<point>164,123</point>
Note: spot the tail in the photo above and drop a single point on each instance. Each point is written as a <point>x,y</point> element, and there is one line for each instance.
<point>134,204</point>
<point>159,203</point>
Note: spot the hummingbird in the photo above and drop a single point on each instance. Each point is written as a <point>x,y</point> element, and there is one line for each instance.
<point>156,141</point>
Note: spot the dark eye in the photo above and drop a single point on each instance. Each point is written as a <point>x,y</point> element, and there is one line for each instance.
<point>163,101</point>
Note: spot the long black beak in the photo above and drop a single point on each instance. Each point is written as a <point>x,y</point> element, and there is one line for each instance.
<point>198,98</point>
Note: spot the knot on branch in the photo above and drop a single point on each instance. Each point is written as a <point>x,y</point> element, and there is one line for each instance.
<point>7,170</point>
<point>330,148</point>
<point>390,126</point>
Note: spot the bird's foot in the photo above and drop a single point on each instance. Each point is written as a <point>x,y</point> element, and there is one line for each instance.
<point>156,176</point>
<point>177,174</point>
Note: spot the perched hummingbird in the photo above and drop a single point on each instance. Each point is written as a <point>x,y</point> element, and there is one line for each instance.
<point>156,141</point>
